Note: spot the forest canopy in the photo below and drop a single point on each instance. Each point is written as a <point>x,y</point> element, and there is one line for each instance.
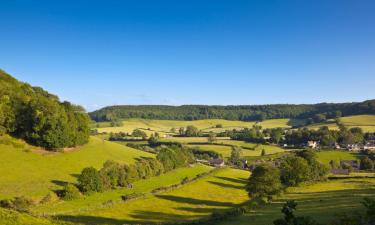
<point>313,112</point>
<point>38,117</point>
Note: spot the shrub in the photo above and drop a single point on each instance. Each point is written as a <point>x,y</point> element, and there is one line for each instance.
<point>70,192</point>
<point>185,180</point>
<point>50,197</point>
<point>21,204</point>
<point>90,181</point>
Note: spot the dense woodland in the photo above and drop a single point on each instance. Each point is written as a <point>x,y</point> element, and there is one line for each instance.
<point>315,112</point>
<point>39,117</point>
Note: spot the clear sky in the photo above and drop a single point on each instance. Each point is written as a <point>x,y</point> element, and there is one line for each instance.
<point>99,53</point>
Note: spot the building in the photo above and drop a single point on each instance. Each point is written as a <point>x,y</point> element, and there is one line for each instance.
<point>216,162</point>
<point>312,144</point>
<point>369,146</point>
<point>354,147</point>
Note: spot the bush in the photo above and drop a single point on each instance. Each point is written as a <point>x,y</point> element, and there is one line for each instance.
<point>50,197</point>
<point>185,180</point>
<point>90,180</point>
<point>70,192</point>
<point>21,204</point>
<point>132,196</point>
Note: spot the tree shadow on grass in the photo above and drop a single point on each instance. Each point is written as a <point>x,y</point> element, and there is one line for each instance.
<point>234,180</point>
<point>194,201</point>
<point>140,217</point>
<point>59,182</point>
<point>224,185</point>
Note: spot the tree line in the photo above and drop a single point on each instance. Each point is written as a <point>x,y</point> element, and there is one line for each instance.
<point>311,112</point>
<point>299,137</point>
<point>38,117</point>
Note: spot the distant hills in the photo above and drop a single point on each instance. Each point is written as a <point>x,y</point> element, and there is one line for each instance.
<point>311,112</point>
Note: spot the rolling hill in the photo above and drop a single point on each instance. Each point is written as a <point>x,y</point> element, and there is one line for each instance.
<point>29,171</point>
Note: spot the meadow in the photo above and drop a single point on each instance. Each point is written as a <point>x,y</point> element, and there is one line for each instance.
<point>325,156</point>
<point>222,190</point>
<point>98,200</point>
<point>322,201</point>
<point>33,172</point>
<point>165,126</point>
<point>366,122</point>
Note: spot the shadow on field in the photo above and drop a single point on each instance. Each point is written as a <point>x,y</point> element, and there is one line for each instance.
<point>59,182</point>
<point>141,217</point>
<point>234,180</point>
<point>195,201</point>
<point>225,185</point>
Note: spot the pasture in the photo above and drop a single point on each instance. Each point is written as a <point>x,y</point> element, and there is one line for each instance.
<point>165,126</point>
<point>221,190</point>
<point>322,201</point>
<point>366,122</point>
<point>96,200</point>
<point>32,172</point>
<point>225,151</point>
<point>325,156</point>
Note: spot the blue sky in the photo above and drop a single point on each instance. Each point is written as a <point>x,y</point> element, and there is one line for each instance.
<point>98,53</point>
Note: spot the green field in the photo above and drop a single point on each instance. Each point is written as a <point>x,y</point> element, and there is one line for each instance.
<point>322,201</point>
<point>222,190</point>
<point>34,173</point>
<point>97,200</point>
<point>327,155</point>
<point>366,122</point>
<point>225,151</point>
<point>8,217</point>
<point>165,126</point>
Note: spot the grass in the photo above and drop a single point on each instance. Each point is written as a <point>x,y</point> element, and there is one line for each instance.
<point>143,186</point>
<point>366,122</point>
<point>165,126</point>
<point>226,150</point>
<point>8,217</point>
<point>222,190</point>
<point>326,156</point>
<point>33,173</point>
<point>322,201</point>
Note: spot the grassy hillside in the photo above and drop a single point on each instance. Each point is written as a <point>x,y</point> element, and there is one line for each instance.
<point>323,201</point>
<point>165,126</point>
<point>366,122</point>
<point>33,173</point>
<point>8,217</point>
<point>142,186</point>
<point>222,190</point>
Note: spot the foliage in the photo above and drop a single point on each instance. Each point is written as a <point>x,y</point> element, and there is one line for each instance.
<point>294,170</point>
<point>41,118</point>
<point>290,219</point>
<point>367,163</point>
<point>70,192</point>
<point>244,113</point>
<point>264,181</point>
<point>211,137</point>
<point>139,133</point>
<point>21,204</point>
<point>90,180</point>
<point>236,156</point>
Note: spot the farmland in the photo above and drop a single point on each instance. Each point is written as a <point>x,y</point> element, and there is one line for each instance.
<point>222,190</point>
<point>28,171</point>
<point>165,126</point>
<point>366,122</point>
<point>323,201</point>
